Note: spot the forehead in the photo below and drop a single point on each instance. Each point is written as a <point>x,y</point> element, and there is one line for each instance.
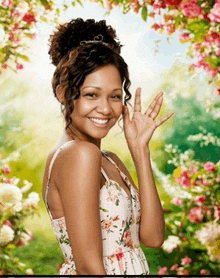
<point>106,76</point>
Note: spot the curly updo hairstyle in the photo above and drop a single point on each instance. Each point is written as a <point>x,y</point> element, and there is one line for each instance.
<point>74,61</point>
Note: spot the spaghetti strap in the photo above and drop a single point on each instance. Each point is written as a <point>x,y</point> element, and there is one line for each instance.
<point>49,174</point>
<point>113,162</point>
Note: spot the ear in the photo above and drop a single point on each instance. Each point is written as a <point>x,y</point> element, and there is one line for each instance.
<point>59,94</point>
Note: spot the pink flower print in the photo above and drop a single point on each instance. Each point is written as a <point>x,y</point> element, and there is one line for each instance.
<point>177,201</point>
<point>123,223</point>
<point>162,270</point>
<point>6,169</point>
<point>199,200</point>
<point>209,167</point>
<point>115,218</point>
<point>186,260</point>
<point>106,224</point>
<point>174,267</point>
<point>195,215</point>
<point>127,238</point>
<point>111,198</point>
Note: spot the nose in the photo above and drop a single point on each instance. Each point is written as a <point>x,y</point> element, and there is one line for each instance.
<point>104,107</point>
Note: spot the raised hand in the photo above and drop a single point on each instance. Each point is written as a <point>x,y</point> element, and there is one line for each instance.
<point>139,130</point>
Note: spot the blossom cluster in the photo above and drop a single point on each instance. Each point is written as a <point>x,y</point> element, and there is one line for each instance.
<point>195,225</point>
<point>13,210</point>
<point>198,22</point>
<point>18,19</point>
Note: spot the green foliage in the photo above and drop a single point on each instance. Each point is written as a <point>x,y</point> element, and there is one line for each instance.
<point>144,13</point>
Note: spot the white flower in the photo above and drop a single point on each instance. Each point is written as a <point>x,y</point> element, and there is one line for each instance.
<point>10,193</point>
<point>208,233</point>
<point>15,180</point>
<point>3,37</point>
<point>23,7</point>
<point>6,234</point>
<point>171,243</point>
<point>16,208</point>
<point>33,199</point>
<point>27,186</point>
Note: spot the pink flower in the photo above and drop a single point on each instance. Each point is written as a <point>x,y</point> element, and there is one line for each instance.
<point>209,167</point>
<point>218,177</point>
<point>182,271</point>
<point>200,199</point>
<point>191,9</point>
<point>162,270</point>
<point>169,28</point>
<point>7,3</point>
<point>218,90</point>
<point>19,66</point>
<point>6,169</point>
<point>33,36</point>
<point>192,168</point>
<point>215,12</point>
<point>8,223</point>
<point>205,182</point>
<point>4,65</point>
<point>195,215</point>
<point>174,267</point>
<point>184,37</point>
<point>6,180</point>
<point>204,272</point>
<point>186,260</point>
<point>177,201</point>
<point>184,179</point>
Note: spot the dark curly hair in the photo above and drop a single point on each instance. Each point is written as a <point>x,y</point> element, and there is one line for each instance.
<point>74,61</point>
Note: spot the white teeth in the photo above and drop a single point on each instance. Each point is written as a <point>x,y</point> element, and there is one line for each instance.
<point>99,121</point>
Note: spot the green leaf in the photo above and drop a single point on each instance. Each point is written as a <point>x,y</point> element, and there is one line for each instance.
<point>57,11</point>
<point>73,4</point>
<point>79,1</point>
<point>24,57</point>
<point>44,3</point>
<point>177,21</point>
<point>144,13</point>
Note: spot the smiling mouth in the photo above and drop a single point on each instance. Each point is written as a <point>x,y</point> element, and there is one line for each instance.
<point>99,122</point>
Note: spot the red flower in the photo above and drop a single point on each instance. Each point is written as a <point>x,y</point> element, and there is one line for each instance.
<point>172,2</point>
<point>29,18</point>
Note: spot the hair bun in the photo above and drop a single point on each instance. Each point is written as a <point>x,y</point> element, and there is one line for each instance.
<point>69,35</point>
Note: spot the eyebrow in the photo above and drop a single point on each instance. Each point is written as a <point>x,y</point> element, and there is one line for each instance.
<point>100,88</point>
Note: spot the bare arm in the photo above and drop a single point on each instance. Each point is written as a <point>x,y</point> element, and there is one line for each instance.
<point>78,180</point>
<point>152,221</point>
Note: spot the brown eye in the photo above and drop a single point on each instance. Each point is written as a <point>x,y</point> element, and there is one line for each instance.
<point>90,94</point>
<point>117,96</point>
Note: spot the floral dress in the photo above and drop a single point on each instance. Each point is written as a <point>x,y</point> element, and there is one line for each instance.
<point>120,216</point>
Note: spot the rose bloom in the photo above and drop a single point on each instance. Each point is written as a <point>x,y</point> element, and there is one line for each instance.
<point>209,167</point>
<point>162,270</point>
<point>174,267</point>
<point>182,271</point>
<point>195,215</point>
<point>204,272</point>
<point>186,260</point>
<point>177,201</point>
<point>199,200</point>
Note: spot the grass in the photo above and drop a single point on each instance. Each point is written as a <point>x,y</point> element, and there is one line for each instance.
<point>44,255</point>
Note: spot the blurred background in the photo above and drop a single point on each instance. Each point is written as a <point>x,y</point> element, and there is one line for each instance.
<point>31,118</point>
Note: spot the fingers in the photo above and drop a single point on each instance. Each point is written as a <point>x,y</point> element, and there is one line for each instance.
<point>162,120</point>
<point>137,100</point>
<point>152,106</point>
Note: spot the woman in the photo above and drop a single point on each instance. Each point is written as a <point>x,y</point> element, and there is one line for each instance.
<point>98,214</point>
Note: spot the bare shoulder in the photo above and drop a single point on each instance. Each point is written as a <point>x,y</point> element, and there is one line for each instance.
<point>77,154</point>
<point>121,166</point>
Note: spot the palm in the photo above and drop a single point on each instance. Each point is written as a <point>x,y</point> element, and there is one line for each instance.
<point>140,129</point>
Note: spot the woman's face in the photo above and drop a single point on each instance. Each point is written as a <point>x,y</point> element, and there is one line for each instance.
<point>101,98</point>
